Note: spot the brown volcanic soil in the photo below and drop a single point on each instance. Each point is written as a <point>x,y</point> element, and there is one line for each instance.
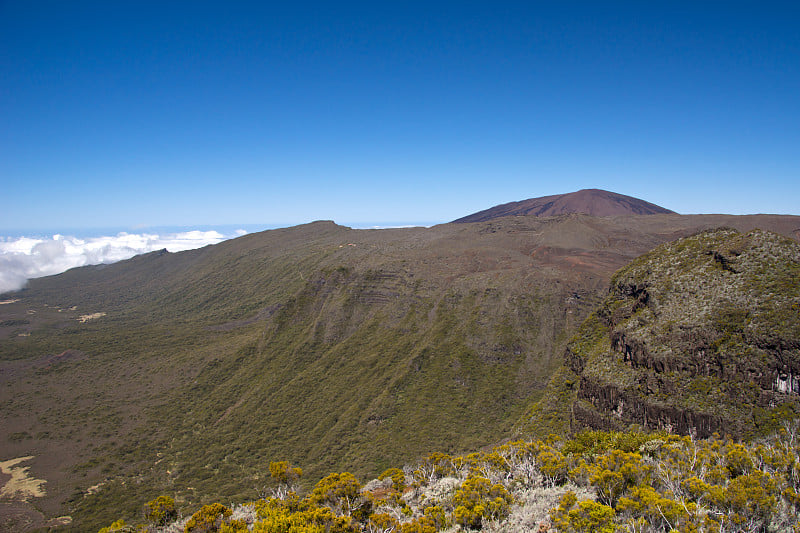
<point>595,202</point>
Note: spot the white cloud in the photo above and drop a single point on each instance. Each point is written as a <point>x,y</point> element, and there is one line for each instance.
<point>24,258</point>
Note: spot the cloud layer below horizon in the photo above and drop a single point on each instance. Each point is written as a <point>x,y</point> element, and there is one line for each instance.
<point>23,258</point>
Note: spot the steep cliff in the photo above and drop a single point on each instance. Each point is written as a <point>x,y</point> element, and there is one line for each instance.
<point>700,335</point>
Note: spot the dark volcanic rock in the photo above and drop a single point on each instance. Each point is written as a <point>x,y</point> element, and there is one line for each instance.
<point>595,202</point>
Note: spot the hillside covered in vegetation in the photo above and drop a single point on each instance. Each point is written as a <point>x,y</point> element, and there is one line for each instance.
<point>699,338</point>
<point>359,350</point>
<point>700,335</point>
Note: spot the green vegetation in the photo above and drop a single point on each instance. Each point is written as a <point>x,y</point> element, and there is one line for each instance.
<point>160,511</point>
<point>343,350</point>
<point>290,343</point>
<point>701,334</point>
<point>208,519</point>
<point>597,481</point>
<point>587,516</point>
<point>478,500</point>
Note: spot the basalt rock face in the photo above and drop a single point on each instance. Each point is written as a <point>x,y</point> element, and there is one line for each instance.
<point>700,335</point>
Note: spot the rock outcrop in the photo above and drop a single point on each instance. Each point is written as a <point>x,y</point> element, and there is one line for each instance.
<point>700,335</point>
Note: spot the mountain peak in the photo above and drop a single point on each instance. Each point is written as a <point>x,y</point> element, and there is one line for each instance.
<point>595,202</point>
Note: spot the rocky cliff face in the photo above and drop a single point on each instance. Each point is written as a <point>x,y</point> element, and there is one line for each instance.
<point>701,335</point>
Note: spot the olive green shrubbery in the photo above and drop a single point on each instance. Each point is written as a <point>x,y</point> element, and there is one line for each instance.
<point>160,511</point>
<point>478,500</point>
<point>285,478</point>
<point>208,519</point>
<point>586,516</point>
<point>683,484</point>
<point>120,526</point>
<point>597,481</point>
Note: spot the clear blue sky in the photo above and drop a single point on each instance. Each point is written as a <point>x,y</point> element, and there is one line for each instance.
<point>118,113</point>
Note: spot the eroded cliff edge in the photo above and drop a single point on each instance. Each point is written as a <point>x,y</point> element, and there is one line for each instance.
<point>700,335</point>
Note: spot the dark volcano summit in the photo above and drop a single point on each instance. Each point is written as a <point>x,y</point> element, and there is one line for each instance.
<point>594,202</point>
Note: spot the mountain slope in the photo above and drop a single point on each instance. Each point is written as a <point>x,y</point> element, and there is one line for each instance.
<point>334,348</point>
<point>593,202</point>
<point>331,347</point>
<point>700,335</point>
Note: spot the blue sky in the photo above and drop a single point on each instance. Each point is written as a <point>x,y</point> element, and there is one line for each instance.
<point>139,114</point>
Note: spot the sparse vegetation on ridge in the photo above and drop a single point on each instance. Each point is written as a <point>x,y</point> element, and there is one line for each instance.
<point>596,481</point>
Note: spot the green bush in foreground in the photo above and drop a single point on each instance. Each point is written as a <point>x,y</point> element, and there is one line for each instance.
<point>160,511</point>
<point>587,517</point>
<point>596,481</point>
<point>478,499</point>
<point>208,519</point>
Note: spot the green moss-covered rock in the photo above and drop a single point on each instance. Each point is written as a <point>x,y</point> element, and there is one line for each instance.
<point>700,335</point>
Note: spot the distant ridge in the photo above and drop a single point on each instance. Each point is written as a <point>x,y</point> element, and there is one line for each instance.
<point>595,202</point>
